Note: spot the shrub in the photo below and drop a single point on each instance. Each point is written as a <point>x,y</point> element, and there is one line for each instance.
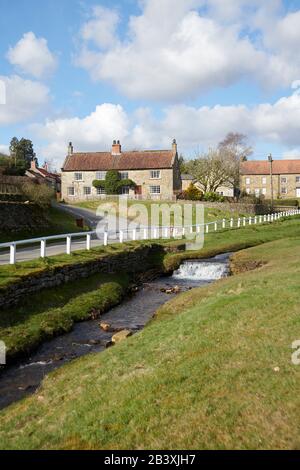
<point>39,193</point>
<point>112,183</point>
<point>192,193</point>
<point>213,197</point>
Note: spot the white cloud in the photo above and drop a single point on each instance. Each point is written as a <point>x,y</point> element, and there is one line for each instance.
<point>171,53</point>
<point>24,98</point>
<point>32,56</point>
<point>101,28</point>
<point>293,154</point>
<point>4,149</point>
<point>277,123</point>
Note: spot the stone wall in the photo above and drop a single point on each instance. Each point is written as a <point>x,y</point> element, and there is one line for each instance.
<point>17,217</point>
<point>235,207</point>
<point>133,261</point>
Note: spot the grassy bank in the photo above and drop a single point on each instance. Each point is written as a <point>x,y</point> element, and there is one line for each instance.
<point>210,213</point>
<point>213,371</point>
<point>59,223</point>
<point>54,311</point>
<point>223,241</point>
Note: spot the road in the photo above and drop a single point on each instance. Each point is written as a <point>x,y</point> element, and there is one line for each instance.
<point>58,247</point>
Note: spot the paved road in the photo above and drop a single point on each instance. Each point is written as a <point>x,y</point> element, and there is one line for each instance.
<point>59,246</point>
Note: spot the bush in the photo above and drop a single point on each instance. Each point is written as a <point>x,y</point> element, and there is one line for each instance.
<point>213,197</point>
<point>192,193</point>
<point>112,183</point>
<point>39,193</point>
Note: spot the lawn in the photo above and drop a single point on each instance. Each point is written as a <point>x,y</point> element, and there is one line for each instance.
<point>212,371</point>
<point>210,213</point>
<point>59,223</point>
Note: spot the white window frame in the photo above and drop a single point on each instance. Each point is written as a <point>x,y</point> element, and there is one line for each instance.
<point>155,189</point>
<point>257,192</point>
<point>125,190</point>
<point>283,180</point>
<point>283,190</point>
<point>69,192</point>
<point>76,176</point>
<point>87,190</point>
<point>264,191</point>
<point>101,175</point>
<point>124,175</point>
<point>100,191</point>
<point>248,180</point>
<point>264,180</point>
<point>155,174</point>
<point>248,191</point>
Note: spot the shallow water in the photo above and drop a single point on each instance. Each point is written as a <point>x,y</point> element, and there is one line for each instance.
<point>24,377</point>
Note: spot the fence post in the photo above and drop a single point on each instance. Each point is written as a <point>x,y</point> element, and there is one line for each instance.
<point>255,220</point>
<point>43,248</point>
<point>250,220</point>
<point>207,228</point>
<point>121,236</point>
<point>145,234</point>
<point>224,223</point>
<point>260,219</point>
<point>69,243</point>
<point>231,223</point>
<point>166,232</point>
<point>105,238</point>
<point>191,229</point>
<point>239,222</point>
<point>12,254</point>
<point>216,226</point>
<point>183,231</point>
<point>134,234</point>
<point>88,241</point>
<point>244,221</point>
<point>155,233</point>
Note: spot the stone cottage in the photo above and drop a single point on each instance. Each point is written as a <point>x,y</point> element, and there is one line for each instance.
<point>156,173</point>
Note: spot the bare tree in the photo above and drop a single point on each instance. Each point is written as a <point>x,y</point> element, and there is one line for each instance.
<point>235,149</point>
<point>212,170</point>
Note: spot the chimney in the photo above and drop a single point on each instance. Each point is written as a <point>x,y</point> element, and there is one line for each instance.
<point>45,166</point>
<point>116,148</point>
<point>174,146</point>
<point>33,164</point>
<point>70,149</point>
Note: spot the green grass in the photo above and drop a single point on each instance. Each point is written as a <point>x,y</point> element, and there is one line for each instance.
<point>59,223</point>
<point>54,311</point>
<point>223,241</point>
<point>210,213</point>
<point>213,371</point>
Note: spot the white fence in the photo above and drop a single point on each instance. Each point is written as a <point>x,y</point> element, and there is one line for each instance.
<point>144,233</point>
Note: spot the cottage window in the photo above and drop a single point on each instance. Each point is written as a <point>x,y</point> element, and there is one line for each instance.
<point>297,179</point>
<point>87,190</point>
<point>78,177</point>
<point>248,190</point>
<point>283,180</point>
<point>101,175</point>
<point>124,175</point>
<point>125,189</point>
<point>100,191</point>
<point>283,191</point>
<point>257,192</point>
<point>248,181</point>
<point>264,191</point>
<point>264,180</point>
<point>155,174</point>
<point>71,191</point>
<point>154,189</point>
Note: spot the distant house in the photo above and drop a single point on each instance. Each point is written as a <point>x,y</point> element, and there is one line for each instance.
<point>156,173</point>
<point>43,175</point>
<point>226,191</point>
<point>256,178</point>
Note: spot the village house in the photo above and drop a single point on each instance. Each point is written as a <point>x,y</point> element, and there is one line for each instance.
<point>256,178</point>
<point>43,175</point>
<point>156,173</point>
<point>187,180</point>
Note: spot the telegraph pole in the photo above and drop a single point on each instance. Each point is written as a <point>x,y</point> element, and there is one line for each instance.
<point>271,176</point>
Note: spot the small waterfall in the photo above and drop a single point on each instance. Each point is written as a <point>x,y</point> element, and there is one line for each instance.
<point>201,271</point>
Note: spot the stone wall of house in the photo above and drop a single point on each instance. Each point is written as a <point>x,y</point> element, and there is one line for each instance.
<point>134,261</point>
<point>284,186</point>
<point>17,217</point>
<point>140,177</point>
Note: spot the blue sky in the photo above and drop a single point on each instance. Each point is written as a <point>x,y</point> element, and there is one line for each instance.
<point>145,72</point>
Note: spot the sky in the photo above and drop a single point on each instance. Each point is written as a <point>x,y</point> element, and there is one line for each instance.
<point>148,71</point>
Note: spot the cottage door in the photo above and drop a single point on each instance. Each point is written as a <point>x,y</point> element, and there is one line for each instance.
<point>138,190</point>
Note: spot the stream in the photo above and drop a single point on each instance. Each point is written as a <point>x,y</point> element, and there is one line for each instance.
<point>24,377</point>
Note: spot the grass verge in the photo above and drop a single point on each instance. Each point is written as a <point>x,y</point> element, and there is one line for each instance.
<point>213,371</point>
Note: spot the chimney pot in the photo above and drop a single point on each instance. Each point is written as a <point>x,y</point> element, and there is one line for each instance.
<point>174,146</point>
<point>70,148</point>
<point>116,148</point>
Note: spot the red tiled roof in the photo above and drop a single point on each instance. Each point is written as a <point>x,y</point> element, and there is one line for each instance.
<point>148,159</point>
<point>280,167</point>
<point>47,173</point>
